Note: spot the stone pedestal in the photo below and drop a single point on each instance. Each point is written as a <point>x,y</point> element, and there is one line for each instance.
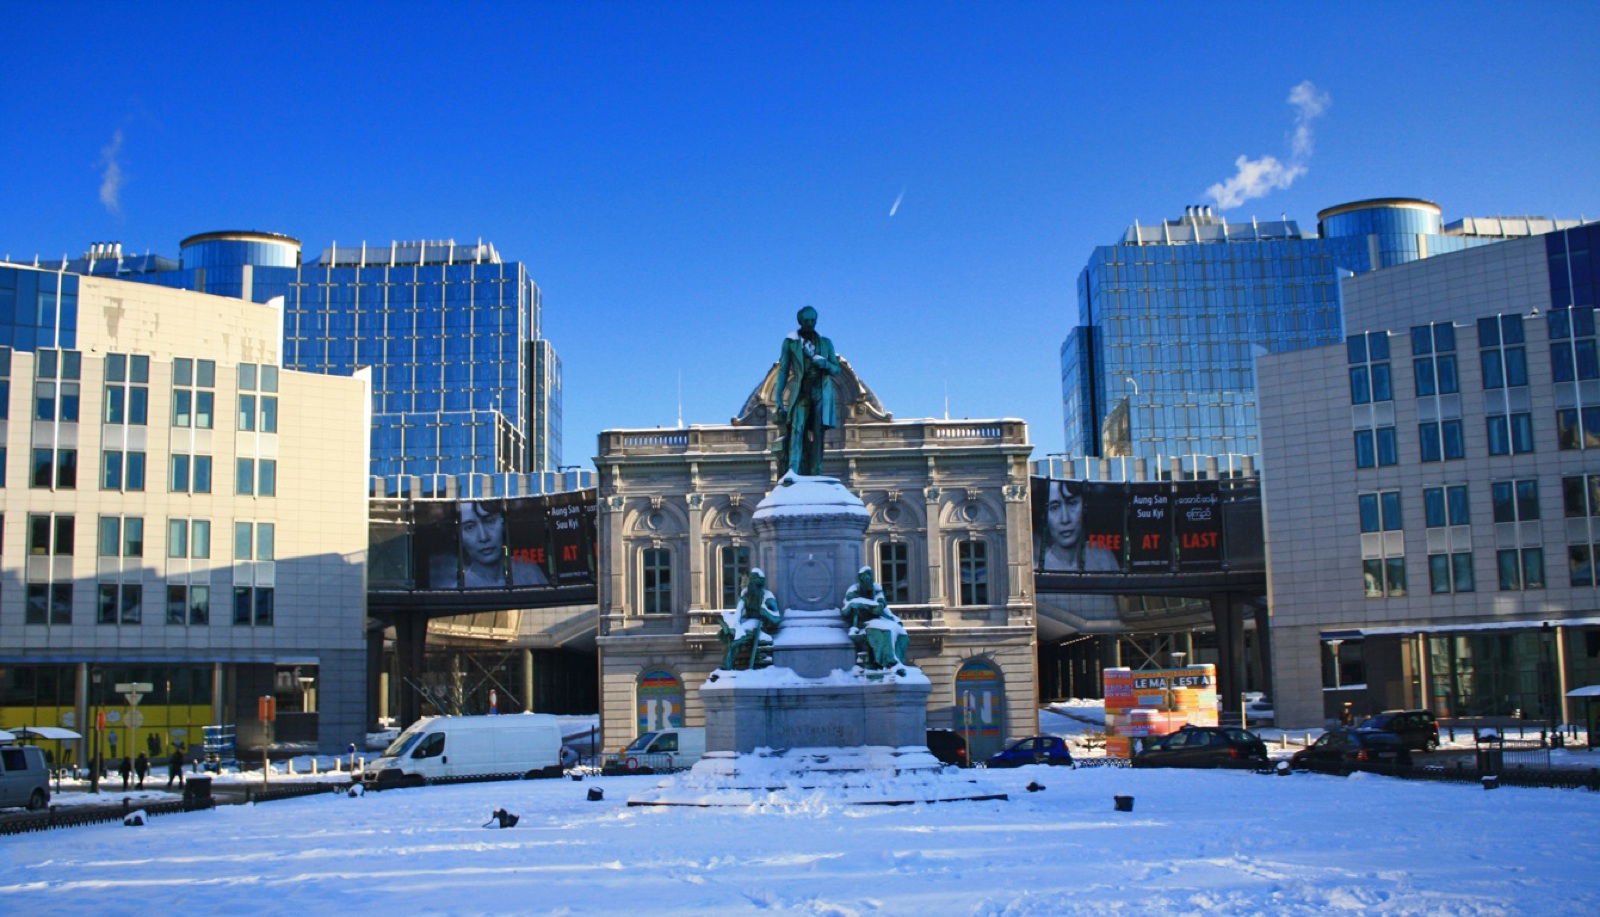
<point>812,720</point>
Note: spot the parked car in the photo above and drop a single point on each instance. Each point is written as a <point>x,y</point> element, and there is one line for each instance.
<point>664,751</point>
<point>1203,746</point>
<point>1416,728</point>
<point>1340,751</point>
<point>1034,750</point>
<point>949,746</point>
<point>24,779</point>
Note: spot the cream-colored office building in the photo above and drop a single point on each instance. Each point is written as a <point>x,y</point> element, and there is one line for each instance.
<point>184,521</point>
<point>949,538</point>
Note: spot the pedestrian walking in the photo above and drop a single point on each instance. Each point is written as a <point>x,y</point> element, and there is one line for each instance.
<point>125,769</point>
<point>141,768</point>
<point>175,768</point>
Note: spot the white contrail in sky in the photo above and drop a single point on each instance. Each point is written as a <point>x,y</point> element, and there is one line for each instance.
<point>895,207</point>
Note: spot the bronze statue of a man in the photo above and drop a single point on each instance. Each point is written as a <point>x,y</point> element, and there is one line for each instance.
<point>808,401</point>
<point>747,629</point>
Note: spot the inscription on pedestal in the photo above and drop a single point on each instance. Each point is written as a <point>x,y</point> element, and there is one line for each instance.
<point>813,579</point>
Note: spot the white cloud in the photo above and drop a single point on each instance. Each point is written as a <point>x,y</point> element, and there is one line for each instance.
<point>111,177</point>
<point>1255,178</point>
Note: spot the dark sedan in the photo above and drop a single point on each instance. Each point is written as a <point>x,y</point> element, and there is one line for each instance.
<point>1341,751</point>
<point>1203,746</point>
<point>1035,750</point>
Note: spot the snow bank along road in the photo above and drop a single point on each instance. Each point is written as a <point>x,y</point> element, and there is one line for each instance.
<point>1237,843</point>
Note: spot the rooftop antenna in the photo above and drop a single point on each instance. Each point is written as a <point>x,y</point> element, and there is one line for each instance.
<point>680,399</point>
<point>947,399</point>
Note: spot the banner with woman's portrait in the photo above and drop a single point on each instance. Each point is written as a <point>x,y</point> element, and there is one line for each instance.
<point>1144,527</point>
<point>504,543</point>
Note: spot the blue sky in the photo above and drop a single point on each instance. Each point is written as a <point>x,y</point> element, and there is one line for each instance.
<point>681,177</point>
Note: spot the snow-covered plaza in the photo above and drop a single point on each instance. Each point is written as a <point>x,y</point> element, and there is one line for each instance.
<point>1196,841</point>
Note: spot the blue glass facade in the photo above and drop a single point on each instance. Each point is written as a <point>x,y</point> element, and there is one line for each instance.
<point>38,309</point>
<point>462,381</point>
<point>1171,318</point>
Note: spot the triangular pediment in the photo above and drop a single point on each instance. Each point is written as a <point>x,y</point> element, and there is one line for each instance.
<point>857,403</point>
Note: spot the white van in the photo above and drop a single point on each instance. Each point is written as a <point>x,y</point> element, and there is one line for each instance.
<point>24,779</point>
<point>439,749</point>
<point>665,750</point>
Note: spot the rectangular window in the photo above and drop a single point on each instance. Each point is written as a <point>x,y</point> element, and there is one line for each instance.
<point>55,469</point>
<point>1380,512</point>
<point>49,603</point>
<point>267,485</point>
<point>1580,495</point>
<point>1441,441</point>
<point>247,412</point>
<point>192,397</point>
<point>243,541</point>
<point>1521,568</point>
<point>1510,434</point>
<point>1503,359</point>
<point>1580,564</point>
<point>191,473</point>
<point>1573,354</point>
<point>127,396</point>
<point>1384,576</point>
<point>1366,451</point>
<point>1445,505</point>
<point>1388,447</point>
<point>1578,428</point>
<point>735,566</point>
<point>1449,573</point>
<point>121,536</point>
<point>1368,355</point>
<point>245,477</point>
<point>894,571</point>
<point>50,535</point>
<point>972,563</point>
<point>119,603</point>
<point>656,583</point>
<point>252,605</point>
<point>269,413</point>
<point>122,471</point>
<point>1515,501</point>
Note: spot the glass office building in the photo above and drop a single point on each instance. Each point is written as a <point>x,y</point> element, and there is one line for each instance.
<point>463,382</point>
<point>1161,363</point>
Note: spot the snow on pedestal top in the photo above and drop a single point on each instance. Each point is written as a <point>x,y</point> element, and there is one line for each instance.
<point>805,495</point>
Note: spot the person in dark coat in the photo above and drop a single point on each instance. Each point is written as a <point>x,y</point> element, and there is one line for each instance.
<point>175,768</point>
<point>125,768</point>
<point>141,768</point>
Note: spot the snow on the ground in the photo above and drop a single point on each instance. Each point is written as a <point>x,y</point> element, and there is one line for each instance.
<point>1196,841</point>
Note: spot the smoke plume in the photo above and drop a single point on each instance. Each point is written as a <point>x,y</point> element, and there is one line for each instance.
<point>111,175</point>
<point>1253,178</point>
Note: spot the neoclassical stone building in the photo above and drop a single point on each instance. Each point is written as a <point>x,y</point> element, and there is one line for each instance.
<point>949,538</point>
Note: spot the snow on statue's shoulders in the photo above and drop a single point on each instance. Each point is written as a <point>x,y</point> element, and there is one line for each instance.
<point>801,494</point>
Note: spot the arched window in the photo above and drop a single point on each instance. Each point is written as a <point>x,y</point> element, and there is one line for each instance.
<point>980,708</point>
<point>660,701</point>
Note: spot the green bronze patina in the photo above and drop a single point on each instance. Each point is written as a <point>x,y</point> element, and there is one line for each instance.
<point>879,636</point>
<point>807,399</point>
<point>746,631</point>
